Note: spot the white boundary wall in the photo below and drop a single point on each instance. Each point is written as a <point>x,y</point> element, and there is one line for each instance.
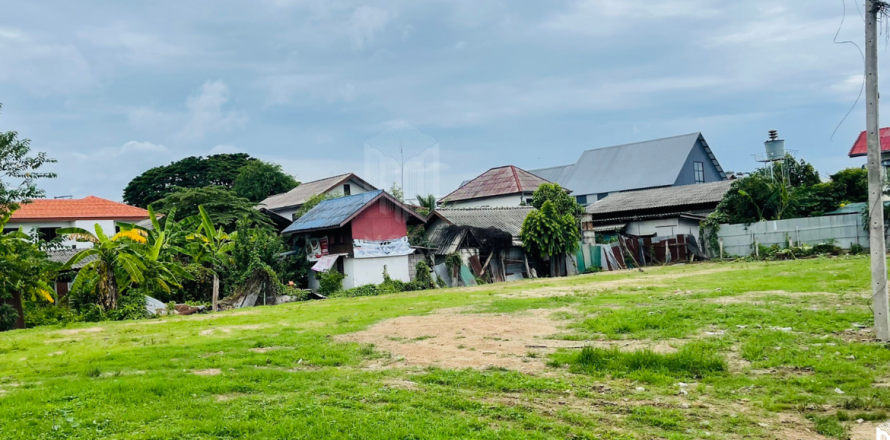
<point>844,230</point>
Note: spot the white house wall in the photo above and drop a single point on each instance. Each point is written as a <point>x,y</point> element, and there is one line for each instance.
<point>362,271</point>
<point>108,227</point>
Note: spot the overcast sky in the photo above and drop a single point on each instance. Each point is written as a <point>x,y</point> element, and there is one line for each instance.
<point>112,88</point>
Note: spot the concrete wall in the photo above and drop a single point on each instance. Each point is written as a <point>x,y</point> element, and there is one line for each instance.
<point>844,230</point>
<point>698,154</point>
<point>362,271</point>
<point>491,202</point>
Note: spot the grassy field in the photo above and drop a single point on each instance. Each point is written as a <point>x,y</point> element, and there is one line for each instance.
<point>742,350</point>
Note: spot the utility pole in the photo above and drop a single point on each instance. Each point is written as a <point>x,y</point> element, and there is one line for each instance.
<point>880,302</point>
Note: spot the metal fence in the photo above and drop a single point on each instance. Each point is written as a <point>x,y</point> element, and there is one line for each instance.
<point>841,230</point>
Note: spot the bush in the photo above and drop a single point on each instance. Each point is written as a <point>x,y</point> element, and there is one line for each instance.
<point>330,282</point>
<point>422,275</point>
<point>36,315</point>
<point>857,249</point>
<point>590,270</point>
<point>8,316</point>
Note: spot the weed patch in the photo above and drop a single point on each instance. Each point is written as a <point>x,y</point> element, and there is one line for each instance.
<point>692,360</point>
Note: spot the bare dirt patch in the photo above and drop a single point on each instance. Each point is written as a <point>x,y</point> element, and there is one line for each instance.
<point>207,372</point>
<point>229,328</point>
<point>401,384</point>
<point>75,331</point>
<point>455,340</point>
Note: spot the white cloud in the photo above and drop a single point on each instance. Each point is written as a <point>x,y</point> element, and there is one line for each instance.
<point>43,67</point>
<point>206,113</point>
<point>601,17</point>
<point>366,22</point>
<point>144,147</point>
<point>137,47</point>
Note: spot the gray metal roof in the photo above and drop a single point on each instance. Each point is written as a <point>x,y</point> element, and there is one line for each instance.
<point>62,256</point>
<point>331,213</point>
<point>306,191</point>
<point>625,167</point>
<point>506,219</point>
<point>668,197</point>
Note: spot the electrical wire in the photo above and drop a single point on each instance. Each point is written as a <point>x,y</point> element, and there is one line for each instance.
<point>862,88</point>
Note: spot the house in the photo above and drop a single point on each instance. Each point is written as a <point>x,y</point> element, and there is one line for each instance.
<point>660,212</point>
<point>486,238</point>
<point>672,161</point>
<point>505,186</point>
<point>860,147</point>
<point>45,216</point>
<point>360,236</point>
<point>284,206</point>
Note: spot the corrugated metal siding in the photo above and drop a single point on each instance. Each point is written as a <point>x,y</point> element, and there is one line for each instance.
<point>845,230</point>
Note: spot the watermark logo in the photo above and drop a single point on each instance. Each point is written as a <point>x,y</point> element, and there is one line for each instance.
<point>403,157</point>
<point>883,431</point>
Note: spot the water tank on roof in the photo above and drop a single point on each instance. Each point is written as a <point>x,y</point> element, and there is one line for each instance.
<point>775,147</point>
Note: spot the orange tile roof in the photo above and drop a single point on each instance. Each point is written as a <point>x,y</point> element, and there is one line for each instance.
<point>87,208</point>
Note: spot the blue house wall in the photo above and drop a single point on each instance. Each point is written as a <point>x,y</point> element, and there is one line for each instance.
<point>698,154</point>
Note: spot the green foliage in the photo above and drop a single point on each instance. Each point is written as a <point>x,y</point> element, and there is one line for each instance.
<point>330,282</point>
<point>562,201</point>
<point>427,204</point>
<point>313,202</point>
<point>829,426</point>
<point>423,276</point>
<point>397,192</point>
<point>223,206</point>
<point>191,172</point>
<point>257,180</point>
<point>593,269</point>
<point>545,232</point>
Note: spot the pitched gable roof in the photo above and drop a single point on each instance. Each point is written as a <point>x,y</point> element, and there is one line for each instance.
<point>685,197</point>
<point>860,147</point>
<point>625,167</point>
<point>335,213</point>
<point>305,191</point>
<point>506,219</point>
<point>496,182</point>
<point>87,208</point>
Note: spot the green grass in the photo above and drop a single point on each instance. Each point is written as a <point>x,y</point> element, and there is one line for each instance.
<point>283,374</point>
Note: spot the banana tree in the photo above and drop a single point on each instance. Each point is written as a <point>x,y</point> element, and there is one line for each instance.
<point>116,265</point>
<point>214,246</point>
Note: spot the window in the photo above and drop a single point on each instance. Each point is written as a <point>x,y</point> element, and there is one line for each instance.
<point>581,199</point>
<point>699,172</point>
<point>47,234</point>
<point>347,190</point>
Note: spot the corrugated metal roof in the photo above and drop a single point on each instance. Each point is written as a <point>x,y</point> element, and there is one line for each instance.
<point>506,219</point>
<point>495,182</point>
<point>625,167</point>
<point>609,228</point>
<point>860,147</point>
<point>668,197</point>
<point>306,191</point>
<point>331,213</point>
<point>62,256</point>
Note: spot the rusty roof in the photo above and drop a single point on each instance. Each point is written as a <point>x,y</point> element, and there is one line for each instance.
<point>496,182</point>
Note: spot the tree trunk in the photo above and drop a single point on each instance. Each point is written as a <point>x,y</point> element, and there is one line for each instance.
<point>108,289</point>
<point>215,293</point>
<point>553,270</point>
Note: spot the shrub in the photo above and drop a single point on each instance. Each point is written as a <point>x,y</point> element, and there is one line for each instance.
<point>48,315</point>
<point>590,270</point>
<point>8,317</point>
<point>422,275</point>
<point>857,249</point>
<point>330,282</point>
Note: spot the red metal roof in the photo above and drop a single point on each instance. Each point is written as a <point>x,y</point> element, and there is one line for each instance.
<point>495,182</point>
<point>87,208</point>
<point>860,148</point>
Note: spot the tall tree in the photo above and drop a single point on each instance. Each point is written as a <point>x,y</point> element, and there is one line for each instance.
<point>257,180</point>
<point>191,172</point>
<point>562,201</point>
<point>223,206</point>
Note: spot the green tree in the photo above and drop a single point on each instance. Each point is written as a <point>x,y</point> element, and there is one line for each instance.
<point>427,204</point>
<point>257,180</point>
<point>224,207</point>
<point>116,265</point>
<point>550,234</point>
<point>850,185</point>
<point>313,202</point>
<point>190,172</point>
<point>212,246</point>
<point>23,266</point>
<point>397,192</point>
<point>562,201</point>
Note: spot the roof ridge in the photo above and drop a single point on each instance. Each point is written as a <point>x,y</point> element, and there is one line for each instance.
<point>642,142</point>
<point>323,178</point>
<point>557,166</point>
<point>516,178</point>
<point>485,208</point>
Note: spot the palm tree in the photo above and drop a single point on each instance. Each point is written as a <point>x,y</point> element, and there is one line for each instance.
<point>428,202</point>
<point>117,264</point>
<point>214,246</point>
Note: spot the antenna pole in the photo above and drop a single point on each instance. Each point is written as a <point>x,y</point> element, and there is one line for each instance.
<point>875,175</point>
